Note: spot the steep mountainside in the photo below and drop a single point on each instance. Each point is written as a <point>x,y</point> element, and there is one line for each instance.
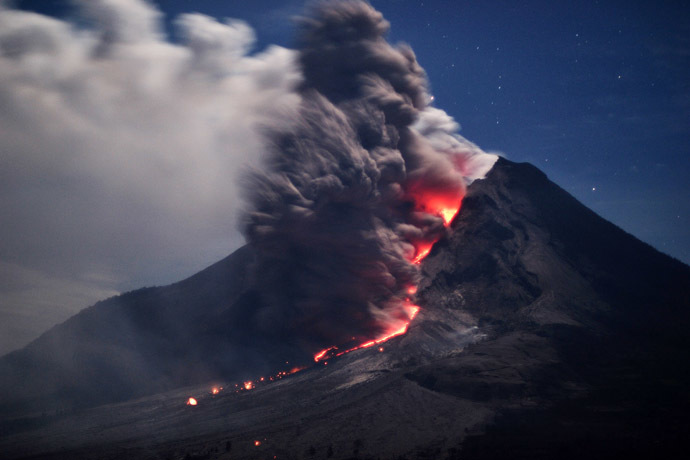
<point>588,322</point>
<point>143,342</point>
<point>545,332</point>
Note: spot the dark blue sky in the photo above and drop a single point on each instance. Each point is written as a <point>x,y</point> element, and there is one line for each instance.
<point>595,93</point>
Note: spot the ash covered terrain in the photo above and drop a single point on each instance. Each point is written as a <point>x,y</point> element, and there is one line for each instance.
<point>402,294</point>
<point>533,339</point>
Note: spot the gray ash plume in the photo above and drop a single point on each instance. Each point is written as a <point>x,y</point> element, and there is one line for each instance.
<point>353,194</point>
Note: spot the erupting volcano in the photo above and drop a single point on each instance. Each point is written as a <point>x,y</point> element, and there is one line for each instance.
<point>355,193</point>
<point>444,208</point>
<point>544,331</point>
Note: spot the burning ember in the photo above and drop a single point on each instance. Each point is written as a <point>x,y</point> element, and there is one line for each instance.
<point>250,384</point>
<point>257,443</point>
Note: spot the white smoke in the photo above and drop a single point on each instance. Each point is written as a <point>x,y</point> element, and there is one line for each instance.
<point>119,150</point>
<point>440,130</point>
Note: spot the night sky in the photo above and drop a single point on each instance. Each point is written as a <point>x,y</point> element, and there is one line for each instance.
<point>595,94</point>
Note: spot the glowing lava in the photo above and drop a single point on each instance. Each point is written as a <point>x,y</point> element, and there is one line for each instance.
<point>322,353</point>
<point>448,214</point>
<point>423,250</point>
<point>445,206</point>
<point>334,351</point>
<point>191,402</point>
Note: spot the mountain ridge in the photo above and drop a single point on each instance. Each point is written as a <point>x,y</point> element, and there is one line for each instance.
<point>535,324</point>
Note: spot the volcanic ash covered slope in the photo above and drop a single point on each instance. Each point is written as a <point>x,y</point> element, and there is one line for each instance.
<point>544,332</point>
<point>586,349</point>
<point>144,342</point>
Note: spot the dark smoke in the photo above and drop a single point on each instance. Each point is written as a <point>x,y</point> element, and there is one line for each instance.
<point>340,210</point>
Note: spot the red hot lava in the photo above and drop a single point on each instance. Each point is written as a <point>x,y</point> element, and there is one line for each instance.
<point>443,205</point>
<point>401,329</point>
<point>396,329</point>
<point>423,250</point>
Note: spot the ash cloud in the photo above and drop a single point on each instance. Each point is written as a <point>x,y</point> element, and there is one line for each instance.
<point>353,191</point>
<point>120,150</point>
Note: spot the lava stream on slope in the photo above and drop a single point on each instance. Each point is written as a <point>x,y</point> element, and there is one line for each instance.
<point>422,249</point>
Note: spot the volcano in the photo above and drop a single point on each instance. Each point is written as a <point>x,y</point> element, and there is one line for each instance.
<point>544,332</point>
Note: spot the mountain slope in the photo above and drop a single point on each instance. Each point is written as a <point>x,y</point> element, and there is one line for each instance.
<point>142,342</point>
<point>545,331</point>
<point>604,313</point>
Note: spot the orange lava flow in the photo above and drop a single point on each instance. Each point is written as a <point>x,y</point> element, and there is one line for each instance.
<point>332,352</point>
<point>422,251</point>
<point>448,214</point>
<point>322,353</point>
<point>438,206</point>
<point>446,207</point>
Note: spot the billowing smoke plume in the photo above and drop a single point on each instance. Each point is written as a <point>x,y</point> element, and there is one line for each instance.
<point>359,189</point>
<point>120,150</point>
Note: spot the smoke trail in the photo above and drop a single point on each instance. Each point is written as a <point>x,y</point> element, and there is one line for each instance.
<point>120,149</point>
<point>355,191</point>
